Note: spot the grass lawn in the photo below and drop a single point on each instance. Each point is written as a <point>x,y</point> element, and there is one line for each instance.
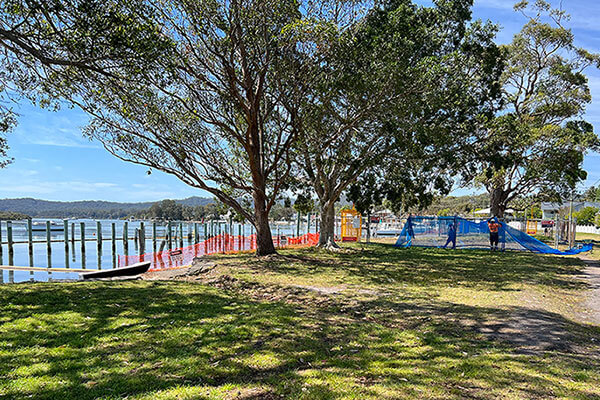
<point>370,322</point>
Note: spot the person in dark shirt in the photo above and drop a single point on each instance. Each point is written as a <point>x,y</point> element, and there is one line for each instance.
<point>451,236</point>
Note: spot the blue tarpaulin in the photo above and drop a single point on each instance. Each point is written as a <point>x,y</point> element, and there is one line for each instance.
<point>436,232</point>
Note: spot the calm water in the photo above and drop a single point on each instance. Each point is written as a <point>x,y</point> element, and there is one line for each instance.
<point>90,257</point>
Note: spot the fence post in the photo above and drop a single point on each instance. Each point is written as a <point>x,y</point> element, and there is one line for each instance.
<point>126,238</point>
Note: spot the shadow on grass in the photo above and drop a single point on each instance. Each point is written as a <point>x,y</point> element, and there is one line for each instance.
<point>146,340</point>
<point>380,264</point>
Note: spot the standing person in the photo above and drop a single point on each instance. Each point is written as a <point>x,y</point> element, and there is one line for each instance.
<point>451,236</point>
<point>494,226</point>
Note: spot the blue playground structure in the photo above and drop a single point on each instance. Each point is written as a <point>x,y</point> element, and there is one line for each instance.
<point>440,231</point>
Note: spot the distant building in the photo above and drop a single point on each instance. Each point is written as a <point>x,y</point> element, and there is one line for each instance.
<point>549,210</point>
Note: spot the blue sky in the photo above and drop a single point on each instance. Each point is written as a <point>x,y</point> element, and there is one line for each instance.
<point>54,162</point>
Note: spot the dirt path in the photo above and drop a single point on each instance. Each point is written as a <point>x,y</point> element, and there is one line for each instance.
<point>591,275</point>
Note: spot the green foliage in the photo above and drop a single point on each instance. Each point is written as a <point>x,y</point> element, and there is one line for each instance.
<point>11,216</point>
<point>586,216</point>
<point>397,92</point>
<point>597,220</point>
<point>591,194</point>
<point>537,141</point>
<point>304,204</point>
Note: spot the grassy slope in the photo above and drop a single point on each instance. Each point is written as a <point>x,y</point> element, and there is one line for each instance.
<point>395,323</point>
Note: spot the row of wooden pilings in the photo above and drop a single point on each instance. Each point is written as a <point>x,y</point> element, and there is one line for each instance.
<point>173,237</point>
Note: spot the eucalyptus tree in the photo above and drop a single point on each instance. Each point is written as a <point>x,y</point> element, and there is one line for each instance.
<point>401,78</point>
<point>198,89</point>
<point>538,140</point>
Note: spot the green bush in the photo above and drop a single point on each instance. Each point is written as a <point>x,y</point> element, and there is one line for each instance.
<point>586,216</point>
<point>597,220</point>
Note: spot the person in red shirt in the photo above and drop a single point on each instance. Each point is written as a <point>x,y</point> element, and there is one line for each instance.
<point>494,226</point>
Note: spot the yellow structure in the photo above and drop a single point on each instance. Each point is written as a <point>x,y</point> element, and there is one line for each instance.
<point>532,227</point>
<point>351,225</point>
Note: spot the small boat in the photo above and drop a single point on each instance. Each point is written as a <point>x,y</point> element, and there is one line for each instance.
<point>41,227</point>
<point>130,270</point>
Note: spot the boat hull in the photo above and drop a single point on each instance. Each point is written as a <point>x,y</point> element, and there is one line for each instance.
<point>130,270</point>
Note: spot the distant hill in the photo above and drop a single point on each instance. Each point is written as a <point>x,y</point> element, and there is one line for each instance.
<point>85,208</point>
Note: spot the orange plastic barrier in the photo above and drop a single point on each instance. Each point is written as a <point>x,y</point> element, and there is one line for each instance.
<point>223,244</point>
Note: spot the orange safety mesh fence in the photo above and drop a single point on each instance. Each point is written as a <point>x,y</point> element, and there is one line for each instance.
<point>224,244</point>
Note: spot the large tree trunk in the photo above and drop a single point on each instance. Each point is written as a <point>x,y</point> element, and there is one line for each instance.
<point>498,204</point>
<point>264,240</point>
<point>326,236</point>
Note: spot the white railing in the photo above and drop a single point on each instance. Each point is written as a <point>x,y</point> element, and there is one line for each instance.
<point>587,229</point>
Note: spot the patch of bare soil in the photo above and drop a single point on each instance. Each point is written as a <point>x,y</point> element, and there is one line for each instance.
<point>531,331</point>
<point>591,275</point>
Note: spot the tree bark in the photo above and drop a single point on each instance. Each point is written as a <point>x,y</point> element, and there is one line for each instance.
<point>498,204</point>
<point>326,237</point>
<point>264,240</point>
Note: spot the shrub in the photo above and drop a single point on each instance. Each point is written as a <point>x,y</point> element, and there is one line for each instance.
<point>586,216</point>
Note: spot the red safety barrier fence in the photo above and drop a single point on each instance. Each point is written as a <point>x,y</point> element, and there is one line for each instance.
<point>221,244</point>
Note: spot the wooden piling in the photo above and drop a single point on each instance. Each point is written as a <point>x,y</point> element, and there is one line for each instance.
<point>170,234</point>
<point>113,236</point>
<point>126,238</point>
<point>66,238</point>
<point>30,241</point>
<point>180,234</point>
<point>142,238</point>
<point>99,234</point>
<point>72,234</point>
<point>11,251</point>
<point>9,238</point>
<point>48,244</point>
<point>154,236</point>
<point>82,239</point>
